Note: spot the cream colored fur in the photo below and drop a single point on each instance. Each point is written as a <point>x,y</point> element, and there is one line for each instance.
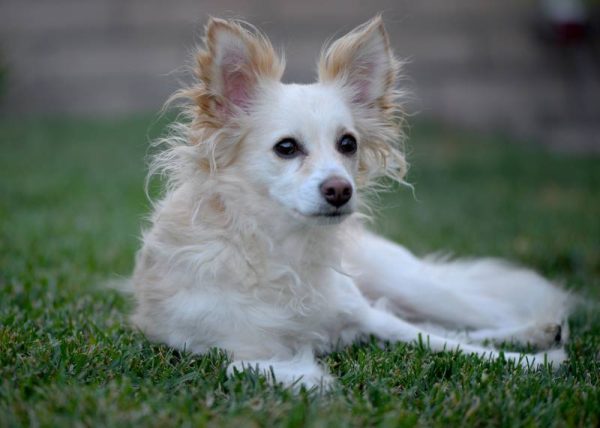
<point>245,254</point>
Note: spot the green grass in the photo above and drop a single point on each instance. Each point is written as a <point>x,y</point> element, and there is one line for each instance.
<point>71,204</point>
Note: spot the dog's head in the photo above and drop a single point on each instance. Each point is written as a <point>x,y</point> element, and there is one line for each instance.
<point>309,148</point>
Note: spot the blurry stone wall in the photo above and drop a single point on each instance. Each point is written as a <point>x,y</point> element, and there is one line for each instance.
<point>472,63</point>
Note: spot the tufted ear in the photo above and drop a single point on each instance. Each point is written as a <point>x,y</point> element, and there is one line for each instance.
<point>362,61</point>
<point>234,64</point>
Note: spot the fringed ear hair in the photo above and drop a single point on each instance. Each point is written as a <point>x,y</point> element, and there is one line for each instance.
<point>361,61</point>
<point>233,65</point>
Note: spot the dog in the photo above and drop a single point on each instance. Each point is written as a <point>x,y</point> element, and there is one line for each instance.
<point>258,245</point>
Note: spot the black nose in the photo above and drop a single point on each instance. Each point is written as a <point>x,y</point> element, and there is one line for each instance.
<point>336,191</point>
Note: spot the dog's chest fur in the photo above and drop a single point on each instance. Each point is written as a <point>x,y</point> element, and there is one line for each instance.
<point>203,285</point>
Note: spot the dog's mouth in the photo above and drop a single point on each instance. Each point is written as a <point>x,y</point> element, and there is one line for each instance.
<point>333,214</point>
<point>326,217</point>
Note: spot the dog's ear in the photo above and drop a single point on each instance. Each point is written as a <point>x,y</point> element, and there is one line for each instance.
<point>237,59</point>
<point>362,64</point>
<point>362,61</point>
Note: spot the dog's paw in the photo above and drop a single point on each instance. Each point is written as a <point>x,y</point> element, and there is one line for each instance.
<point>545,336</point>
<point>550,334</point>
<point>285,373</point>
<point>552,358</point>
<point>322,382</point>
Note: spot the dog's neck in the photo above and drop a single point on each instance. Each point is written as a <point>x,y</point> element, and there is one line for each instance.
<point>257,227</point>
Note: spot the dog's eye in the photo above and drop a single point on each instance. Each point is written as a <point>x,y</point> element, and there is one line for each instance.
<point>347,145</point>
<point>287,148</point>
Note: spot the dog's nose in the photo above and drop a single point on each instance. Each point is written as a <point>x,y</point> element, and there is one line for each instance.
<point>336,191</point>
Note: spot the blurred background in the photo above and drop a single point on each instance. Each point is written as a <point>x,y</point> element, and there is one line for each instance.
<point>528,69</point>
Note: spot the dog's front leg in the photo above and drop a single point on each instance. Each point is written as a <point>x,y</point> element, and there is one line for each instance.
<point>388,327</point>
<point>301,369</point>
<point>383,269</point>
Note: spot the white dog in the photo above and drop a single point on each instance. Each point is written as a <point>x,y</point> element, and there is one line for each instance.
<point>257,248</point>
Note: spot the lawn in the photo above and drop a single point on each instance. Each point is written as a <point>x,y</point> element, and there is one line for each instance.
<point>71,205</point>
